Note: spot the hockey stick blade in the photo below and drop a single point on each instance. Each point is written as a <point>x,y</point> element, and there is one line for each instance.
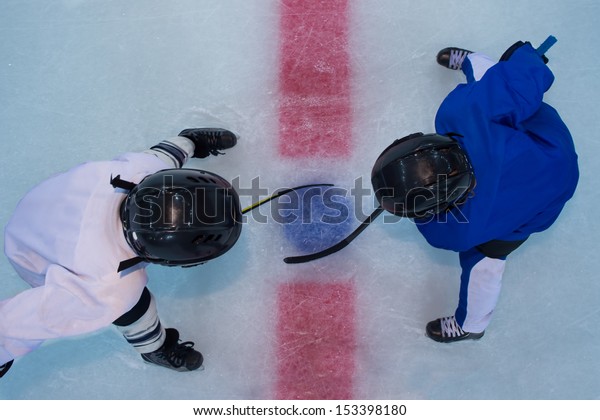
<point>337,247</point>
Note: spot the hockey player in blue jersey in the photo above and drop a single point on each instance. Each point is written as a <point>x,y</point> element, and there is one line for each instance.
<point>500,167</point>
<point>82,240</point>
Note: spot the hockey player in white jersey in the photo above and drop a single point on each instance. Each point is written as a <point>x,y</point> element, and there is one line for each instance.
<point>82,240</point>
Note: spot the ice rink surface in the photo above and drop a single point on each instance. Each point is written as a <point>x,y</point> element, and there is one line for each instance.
<point>89,80</point>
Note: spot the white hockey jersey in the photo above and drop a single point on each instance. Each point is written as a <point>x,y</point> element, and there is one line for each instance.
<point>65,239</point>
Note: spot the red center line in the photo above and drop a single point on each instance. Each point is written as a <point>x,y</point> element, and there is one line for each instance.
<point>316,341</point>
<point>316,338</point>
<point>314,79</point>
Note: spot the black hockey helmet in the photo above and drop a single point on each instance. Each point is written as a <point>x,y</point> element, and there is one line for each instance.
<point>421,175</point>
<point>180,217</point>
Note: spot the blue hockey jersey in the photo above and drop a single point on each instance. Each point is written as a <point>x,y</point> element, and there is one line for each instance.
<point>522,154</point>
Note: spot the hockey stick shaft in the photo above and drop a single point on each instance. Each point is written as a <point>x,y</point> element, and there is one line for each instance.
<point>280,193</point>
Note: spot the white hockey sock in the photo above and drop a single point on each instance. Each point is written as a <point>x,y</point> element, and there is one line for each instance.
<point>483,292</point>
<point>146,334</point>
<point>175,151</point>
<point>477,66</point>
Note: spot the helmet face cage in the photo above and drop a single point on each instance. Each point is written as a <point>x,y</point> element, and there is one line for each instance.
<point>181,217</point>
<point>421,175</point>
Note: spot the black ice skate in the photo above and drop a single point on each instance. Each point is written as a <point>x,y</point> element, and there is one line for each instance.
<point>447,330</point>
<point>175,355</point>
<point>4,368</point>
<point>209,140</point>
<point>452,57</point>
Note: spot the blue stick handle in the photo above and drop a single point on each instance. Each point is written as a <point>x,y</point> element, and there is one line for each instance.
<point>545,46</point>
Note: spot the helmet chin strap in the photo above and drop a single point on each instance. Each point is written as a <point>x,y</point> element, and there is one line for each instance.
<point>468,194</point>
<point>126,264</point>
<point>117,182</point>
